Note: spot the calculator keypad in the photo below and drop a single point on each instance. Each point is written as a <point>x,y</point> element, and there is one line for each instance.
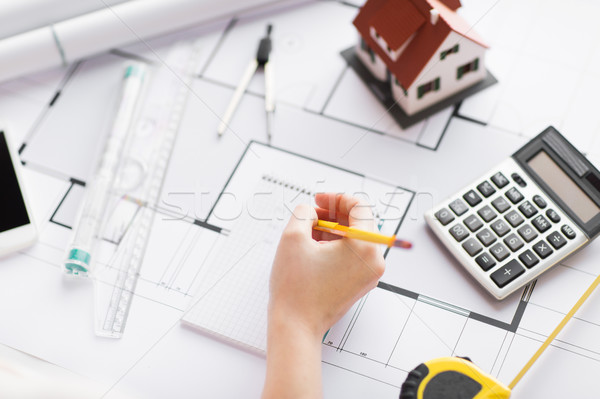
<point>486,213</point>
<point>485,261</point>
<point>539,201</point>
<point>486,189</point>
<point>553,216</point>
<point>444,216</point>
<point>499,180</point>
<point>458,207</point>
<point>527,209</point>
<point>542,248</point>
<point>507,246</point>
<point>513,242</point>
<point>527,232</point>
<point>459,232</point>
<point>473,222</point>
<point>556,240</point>
<point>507,273</point>
<point>500,227</point>
<point>472,198</point>
<point>540,223</point>
<point>514,195</point>
<point>513,218</point>
<point>486,237</point>
<point>529,259</point>
<point>472,246</point>
<point>501,204</point>
<point>499,251</point>
<point>568,231</point>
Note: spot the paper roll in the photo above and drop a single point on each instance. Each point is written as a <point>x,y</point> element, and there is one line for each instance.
<point>110,28</point>
<point>20,16</point>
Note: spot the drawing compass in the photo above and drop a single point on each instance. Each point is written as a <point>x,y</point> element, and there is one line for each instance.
<point>261,60</point>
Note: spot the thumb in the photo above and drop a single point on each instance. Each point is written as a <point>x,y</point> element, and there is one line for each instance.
<point>302,221</point>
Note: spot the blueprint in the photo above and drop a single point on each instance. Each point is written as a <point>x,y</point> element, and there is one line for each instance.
<point>425,306</point>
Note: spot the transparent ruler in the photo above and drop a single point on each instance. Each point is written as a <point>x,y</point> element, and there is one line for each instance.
<point>140,179</point>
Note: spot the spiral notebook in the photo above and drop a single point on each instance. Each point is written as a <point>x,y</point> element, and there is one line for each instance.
<point>231,302</point>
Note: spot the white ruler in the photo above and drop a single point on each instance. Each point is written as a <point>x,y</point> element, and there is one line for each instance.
<point>141,178</point>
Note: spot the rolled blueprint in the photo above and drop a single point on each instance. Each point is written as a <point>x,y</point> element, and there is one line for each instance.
<point>20,16</point>
<point>111,27</point>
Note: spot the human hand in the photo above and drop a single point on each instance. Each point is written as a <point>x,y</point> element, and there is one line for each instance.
<point>317,276</point>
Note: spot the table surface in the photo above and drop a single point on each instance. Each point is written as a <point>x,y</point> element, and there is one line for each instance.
<point>546,56</point>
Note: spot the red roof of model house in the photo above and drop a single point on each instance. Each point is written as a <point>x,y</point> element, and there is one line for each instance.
<point>397,21</point>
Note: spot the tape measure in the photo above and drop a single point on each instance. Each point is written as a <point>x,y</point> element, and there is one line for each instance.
<point>459,378</point>
<point>451,378</point>
<point>141,176</point>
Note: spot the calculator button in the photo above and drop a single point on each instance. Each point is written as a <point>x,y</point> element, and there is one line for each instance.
<point>458,207</point>
<point>472,197</point>
<point>527,232</point>
<point>473,222</point>
<point>514,195</point>
<point>500,204</point>
<point>527,209</point>
<point>507,273</point>
<point>500,227</point>
<point>486,213</point>
<point>499,180</point>
<point>568,231</point>
<point>553,216</point>
<point>486,189</point>
<point>472,246</point>
<point>529,259</point>
<point>500,252</point>
<point>518,179</point>
<point>556,240</point>
<point>542,248</point>
<point>485,261</point>
<point>513,218</point>
<point>459,232</point>
<point>486,237</point>
<point>539,201</point>
<point>541,223</point>
<point>513,242</point>
<point>444,216</point>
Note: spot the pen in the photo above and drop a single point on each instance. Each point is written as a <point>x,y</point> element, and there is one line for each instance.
<point>351,232</point>
<point>93,208</point>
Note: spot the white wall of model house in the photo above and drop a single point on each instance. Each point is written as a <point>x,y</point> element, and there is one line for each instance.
<point>445,70</point>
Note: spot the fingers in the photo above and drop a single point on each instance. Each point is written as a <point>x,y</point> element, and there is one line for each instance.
<point>339,205</point>
<point>301,223</point>
<point>323,214</point>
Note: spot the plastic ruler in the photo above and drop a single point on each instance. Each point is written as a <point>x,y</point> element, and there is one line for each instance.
<point>140,178</point>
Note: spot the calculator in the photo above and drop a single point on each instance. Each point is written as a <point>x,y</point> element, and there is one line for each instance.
<point>522,217</point>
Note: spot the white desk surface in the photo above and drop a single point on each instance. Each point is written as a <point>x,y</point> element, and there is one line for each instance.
<point>546,56</point>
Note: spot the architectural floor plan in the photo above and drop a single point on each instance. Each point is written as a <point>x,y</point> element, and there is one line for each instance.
<point>425,306</point>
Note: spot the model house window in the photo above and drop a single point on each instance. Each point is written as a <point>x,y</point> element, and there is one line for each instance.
<point>363,44</point>
<point>471,66</point>
<point>434,85</point>
<point>403,89</point>
<point>446,53</point>
<point>372,54</point>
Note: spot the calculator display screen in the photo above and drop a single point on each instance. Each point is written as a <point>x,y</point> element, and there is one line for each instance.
<point>563,186</point>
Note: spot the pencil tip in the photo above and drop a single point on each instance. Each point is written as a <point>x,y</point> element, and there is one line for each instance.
<point>403,244</point>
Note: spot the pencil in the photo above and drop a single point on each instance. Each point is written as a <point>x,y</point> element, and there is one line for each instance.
<point>351,232</point>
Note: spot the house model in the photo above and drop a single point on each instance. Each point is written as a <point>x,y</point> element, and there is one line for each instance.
<point>423,49</point>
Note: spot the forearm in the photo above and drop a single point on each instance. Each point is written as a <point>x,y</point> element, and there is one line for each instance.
<point>293,360</point>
